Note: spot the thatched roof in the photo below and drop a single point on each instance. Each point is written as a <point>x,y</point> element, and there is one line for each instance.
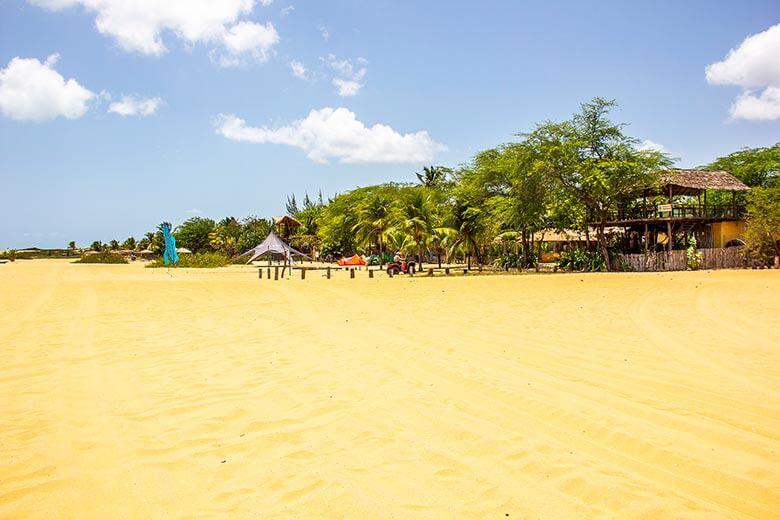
<point>693,182</point>
<point>286,220</point>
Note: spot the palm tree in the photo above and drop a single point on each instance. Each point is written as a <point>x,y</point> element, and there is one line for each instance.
<point>468,228</point>
<point>114,244</point>
<point>419,220</point>
<point>432,176</point>
<point>129,243</point>
<point>376,220</point>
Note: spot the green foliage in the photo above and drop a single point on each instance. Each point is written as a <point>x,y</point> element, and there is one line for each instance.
<point>97,245</point>
<point>192,234</point>
<point>114,245</point>
<point>196,260</point>
<point>693,257</point>
<point>129,243</point>
<point>759,167</point>
<point>593,162</point>
<point>224,237</point>
<point>512,260</point>
<point>582,260</point>
<point>763,231</point>
<point>104,257</point>
<point>253,231</point>
<point>432,176</point>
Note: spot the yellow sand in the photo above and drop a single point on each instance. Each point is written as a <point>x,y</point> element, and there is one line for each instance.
<point>129,393</point>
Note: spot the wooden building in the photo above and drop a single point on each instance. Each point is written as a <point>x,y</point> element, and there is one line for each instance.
<point>286,226</point>
<point>678,208</point>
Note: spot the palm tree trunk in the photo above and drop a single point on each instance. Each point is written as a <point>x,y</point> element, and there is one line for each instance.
<point>419,257</point>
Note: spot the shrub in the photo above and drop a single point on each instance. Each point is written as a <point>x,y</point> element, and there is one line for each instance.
<point>693,257</point>
<point>582,260</point>
<point>104,257</point>
<point>196,260</point>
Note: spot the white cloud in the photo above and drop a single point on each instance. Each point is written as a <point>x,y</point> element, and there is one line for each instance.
<point>765,106</point>
<point>346,87</point>
<point>336,133</point>
<point>31,90</point>
<point>254,38</point>
<point>349,75</point>
<point>287,10</point>
<point>647,144</point>
<point>298,70</point>
<point>754,65</point>
<point>139,25</point>
<point>135,106</point>
<point>324,32</point>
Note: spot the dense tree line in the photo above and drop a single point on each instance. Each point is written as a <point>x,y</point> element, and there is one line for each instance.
<point>573,174</point>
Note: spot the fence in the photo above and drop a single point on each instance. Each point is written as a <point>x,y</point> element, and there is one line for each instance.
<point>717,258</point>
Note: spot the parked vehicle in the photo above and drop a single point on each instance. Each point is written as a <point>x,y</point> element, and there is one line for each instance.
<point>401,267</point>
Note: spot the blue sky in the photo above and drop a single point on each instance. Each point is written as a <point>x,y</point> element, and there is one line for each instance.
<point>218,124</point>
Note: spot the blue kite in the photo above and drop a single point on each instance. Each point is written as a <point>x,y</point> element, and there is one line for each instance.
<point>170,254</point>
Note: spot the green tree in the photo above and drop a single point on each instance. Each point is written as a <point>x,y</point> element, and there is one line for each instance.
<point>114,245</point>
<point>253,232</point>
<point>763,231</point>
<point>224,237</point>
<point>72,245</point>
<point>376,219</point>
<point>143,243</point>
<point>418,220</point>
<point>594,162</point>
<point>97,245</point>
<point>754,166</point>
<point>432,176</point>
<point>194,234</point>
<point>129,243</point>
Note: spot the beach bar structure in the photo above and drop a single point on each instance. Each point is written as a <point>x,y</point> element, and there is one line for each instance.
<point>678,206</point>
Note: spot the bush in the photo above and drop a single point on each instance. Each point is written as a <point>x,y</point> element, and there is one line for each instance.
<point>104,257</point>
<point>515,261</point>
<point>196,260</point>
<point>582,260</point>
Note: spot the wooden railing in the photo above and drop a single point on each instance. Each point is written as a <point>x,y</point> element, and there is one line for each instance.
<point>680,211</point>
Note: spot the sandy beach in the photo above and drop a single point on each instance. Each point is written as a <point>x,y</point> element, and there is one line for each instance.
<point>131,393</point>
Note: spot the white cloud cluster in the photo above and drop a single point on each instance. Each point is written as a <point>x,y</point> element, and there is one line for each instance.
<point>336,133</point>
<point>755,66</point>
<point>135,106</point>
<point>34,91</point>
<point>139,25</point>
<point>652,146</point>
<point>348,81</point>
<point>298,70</point>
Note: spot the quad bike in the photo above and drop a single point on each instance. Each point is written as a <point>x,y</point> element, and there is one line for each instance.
<point>402,267</point>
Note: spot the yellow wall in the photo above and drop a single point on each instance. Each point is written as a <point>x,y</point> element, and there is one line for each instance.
<point>722,232</point>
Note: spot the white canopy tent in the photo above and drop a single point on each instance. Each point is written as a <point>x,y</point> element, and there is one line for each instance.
<point>272,245</point>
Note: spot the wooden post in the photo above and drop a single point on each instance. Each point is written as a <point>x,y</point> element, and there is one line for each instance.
<point>269,273</point>
<point>303,273</point>
<point>446,271</point>
<point>276,272</point>
<point>370,273</point>
<point>260,273</point>
<point>669,238</point>
<point>465,272</point>
<point>352,273</point>
<point>430,271</point>
<point>328,273</point>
